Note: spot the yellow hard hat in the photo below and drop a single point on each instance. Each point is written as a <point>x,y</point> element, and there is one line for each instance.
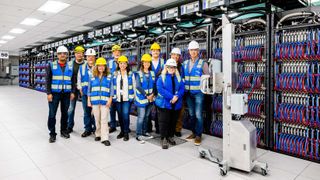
<point>101,61</point>
<point>146,58</point>
<point>155,46</point>
<point>116,48</point>
<point>122,59</point>
<point>79,49</point>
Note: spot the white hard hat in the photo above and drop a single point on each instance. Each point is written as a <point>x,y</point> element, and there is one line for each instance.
<point>62,49</point>
<point>90,52</point>
<point>176,51</point>
<point>171,62</point>
<point>193,45</point>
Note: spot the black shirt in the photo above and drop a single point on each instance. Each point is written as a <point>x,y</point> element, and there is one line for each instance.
<point>76,67</point>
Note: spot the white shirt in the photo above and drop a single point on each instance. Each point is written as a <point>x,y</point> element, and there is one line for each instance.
<point>125,90</point>
<point>155,63</point>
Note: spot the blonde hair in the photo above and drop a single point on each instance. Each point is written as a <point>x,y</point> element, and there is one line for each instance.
<point>95,72</point>
<point>165,71</point>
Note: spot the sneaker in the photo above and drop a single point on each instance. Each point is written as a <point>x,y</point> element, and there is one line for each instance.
<point>69,130</point>
<point>178,134</point>
<point>191,137</point>
<point>197,141</point>
<point>171,141</point>
<point>140,139</point>
<point>147,136</point>
<point>121,135</point>
<point>164,144</point>
<point>111,130</point>
<point>85,134</point>
<point>97,138</point>
<point>126,137</point>
<point>65,135</point>
<point>106,143</point>
<point>52,139</point>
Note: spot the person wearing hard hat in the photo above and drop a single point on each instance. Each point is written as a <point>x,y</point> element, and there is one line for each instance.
<point>78,54</point>
<point>157,66</point>
<point>113,65</point>
<point>123,86</point>
<point>100,99</point>
<point>170,87</point>
<point>176,54</point>
<point>84,75</point>
<point>193,69</point>
<point>145,88</point>
<point>60,86</point>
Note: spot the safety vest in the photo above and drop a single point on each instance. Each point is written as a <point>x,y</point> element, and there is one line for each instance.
<point>192,79</point>
<point>159,68</point>
<point>84,73</point>
<point>100,90</point>
<point>61,81</point>
<point>147,84</point>
<point>112,65</point>
<point>130,86</point>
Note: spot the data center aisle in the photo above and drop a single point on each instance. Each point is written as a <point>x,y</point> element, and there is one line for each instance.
<point>26,154</point>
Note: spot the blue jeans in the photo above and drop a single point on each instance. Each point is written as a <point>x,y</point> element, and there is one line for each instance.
<point>142,120</point>
<point>113,121</point>
<point>88,118</point>
<point>64,100</point>
<point>195,105</point>
<point>72,107</point>
<point>123,109</point>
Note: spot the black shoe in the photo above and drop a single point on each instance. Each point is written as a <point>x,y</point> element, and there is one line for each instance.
<point>52,139</point>
<point>121,135</point>
<point>85,134</point>
<point>65,135</point>
<point>171,141</point>
<point>97,138</point>
<point>129,130</point>
<point>164,144</point>
<point>69,130</point>
<point>106,143</point>
<point>126,137</point>
<point>111,130</point>
<point>178,134</point>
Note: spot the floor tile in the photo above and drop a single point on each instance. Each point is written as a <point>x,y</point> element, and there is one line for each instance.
<point>312,171</point>
<point>163,176</point>
<point>32,175</point>
<point>15,166</point>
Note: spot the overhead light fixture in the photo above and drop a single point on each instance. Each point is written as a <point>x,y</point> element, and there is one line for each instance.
<point>3,42</point>
<point>7,37</point>
<point>53,6</point>
<point>31,21</point>
<point>17,31</point>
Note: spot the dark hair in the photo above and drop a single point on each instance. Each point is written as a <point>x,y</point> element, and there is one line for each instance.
<point>95,72</point>
<point>142,67</point>
<point>128,68</point>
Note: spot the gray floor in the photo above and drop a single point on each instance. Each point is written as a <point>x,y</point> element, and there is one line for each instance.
<point>26,154</point>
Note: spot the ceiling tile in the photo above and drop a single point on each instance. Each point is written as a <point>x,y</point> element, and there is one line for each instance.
<point>94,4</point>
<point>14,11</point>
<point>75,11</point>
<point>157,3</point>
<point>61,18</point>
<point>112,18</point>
<point>117,6</point>
<point>50,24</point>
<point>31,4</point>
<point>94,15</point>
<point>135,10</point>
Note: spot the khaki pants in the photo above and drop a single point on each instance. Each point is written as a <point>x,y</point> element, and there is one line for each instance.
<point>102,117</point>
<point>180,120</point>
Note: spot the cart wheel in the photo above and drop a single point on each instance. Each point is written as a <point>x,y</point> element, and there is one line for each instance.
<point>264,172</point>
<point>202,155</point>
<point>222,172</point>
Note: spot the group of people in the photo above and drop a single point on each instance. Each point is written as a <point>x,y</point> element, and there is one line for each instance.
<point>110,88</point>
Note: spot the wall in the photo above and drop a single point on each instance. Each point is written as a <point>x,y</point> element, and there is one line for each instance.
<point>8,79</point>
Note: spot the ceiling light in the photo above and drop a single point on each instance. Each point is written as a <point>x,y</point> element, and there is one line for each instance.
<point>31,21</point>
<point>53,6</point>
<point>3,42</point>
<point>17,31</point>
<point>8,37</point>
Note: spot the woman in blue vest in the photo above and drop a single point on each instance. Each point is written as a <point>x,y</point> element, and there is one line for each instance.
<point>100,99</point>
<point>170,88</point>
<point>123,82</point>
<point>145,86</point>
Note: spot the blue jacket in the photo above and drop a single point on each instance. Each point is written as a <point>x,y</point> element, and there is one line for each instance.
<point>61,80</point>
<point>144,87</point>
<point>84,78</point>
<point>112,64</point>
<point>164,86</point>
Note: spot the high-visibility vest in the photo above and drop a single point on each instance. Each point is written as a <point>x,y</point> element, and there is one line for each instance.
<point>159,68</point>
<point>61,81</point>
<point>130,86</point>
<point>192,78</point>
<point>100,90</point>
<point>147,84</point>
<point>84,74</point>
<point>112,65</point>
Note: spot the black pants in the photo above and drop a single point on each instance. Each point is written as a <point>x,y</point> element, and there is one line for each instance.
<point>64,100</point>
<point>167,122</point>
<point>156,120</point>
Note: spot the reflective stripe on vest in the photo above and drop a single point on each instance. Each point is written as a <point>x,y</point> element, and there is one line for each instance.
<point>61,80</point>
<point>140,99</point>
<point>100,91</point>
<point>192,79</point>
<point>84,77</point>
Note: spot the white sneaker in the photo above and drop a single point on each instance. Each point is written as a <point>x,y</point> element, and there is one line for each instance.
<point>147,136</point>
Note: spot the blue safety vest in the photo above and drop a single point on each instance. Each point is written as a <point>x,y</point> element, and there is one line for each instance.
<point>130,86</point>
<point>61,81</point>
<point>165,82</point>
<point>159,68</point>
<point>112,64</point>
<point>100,90</point>
<point>84,74</point>
<point>147,84</point>
<point>192,79</point>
